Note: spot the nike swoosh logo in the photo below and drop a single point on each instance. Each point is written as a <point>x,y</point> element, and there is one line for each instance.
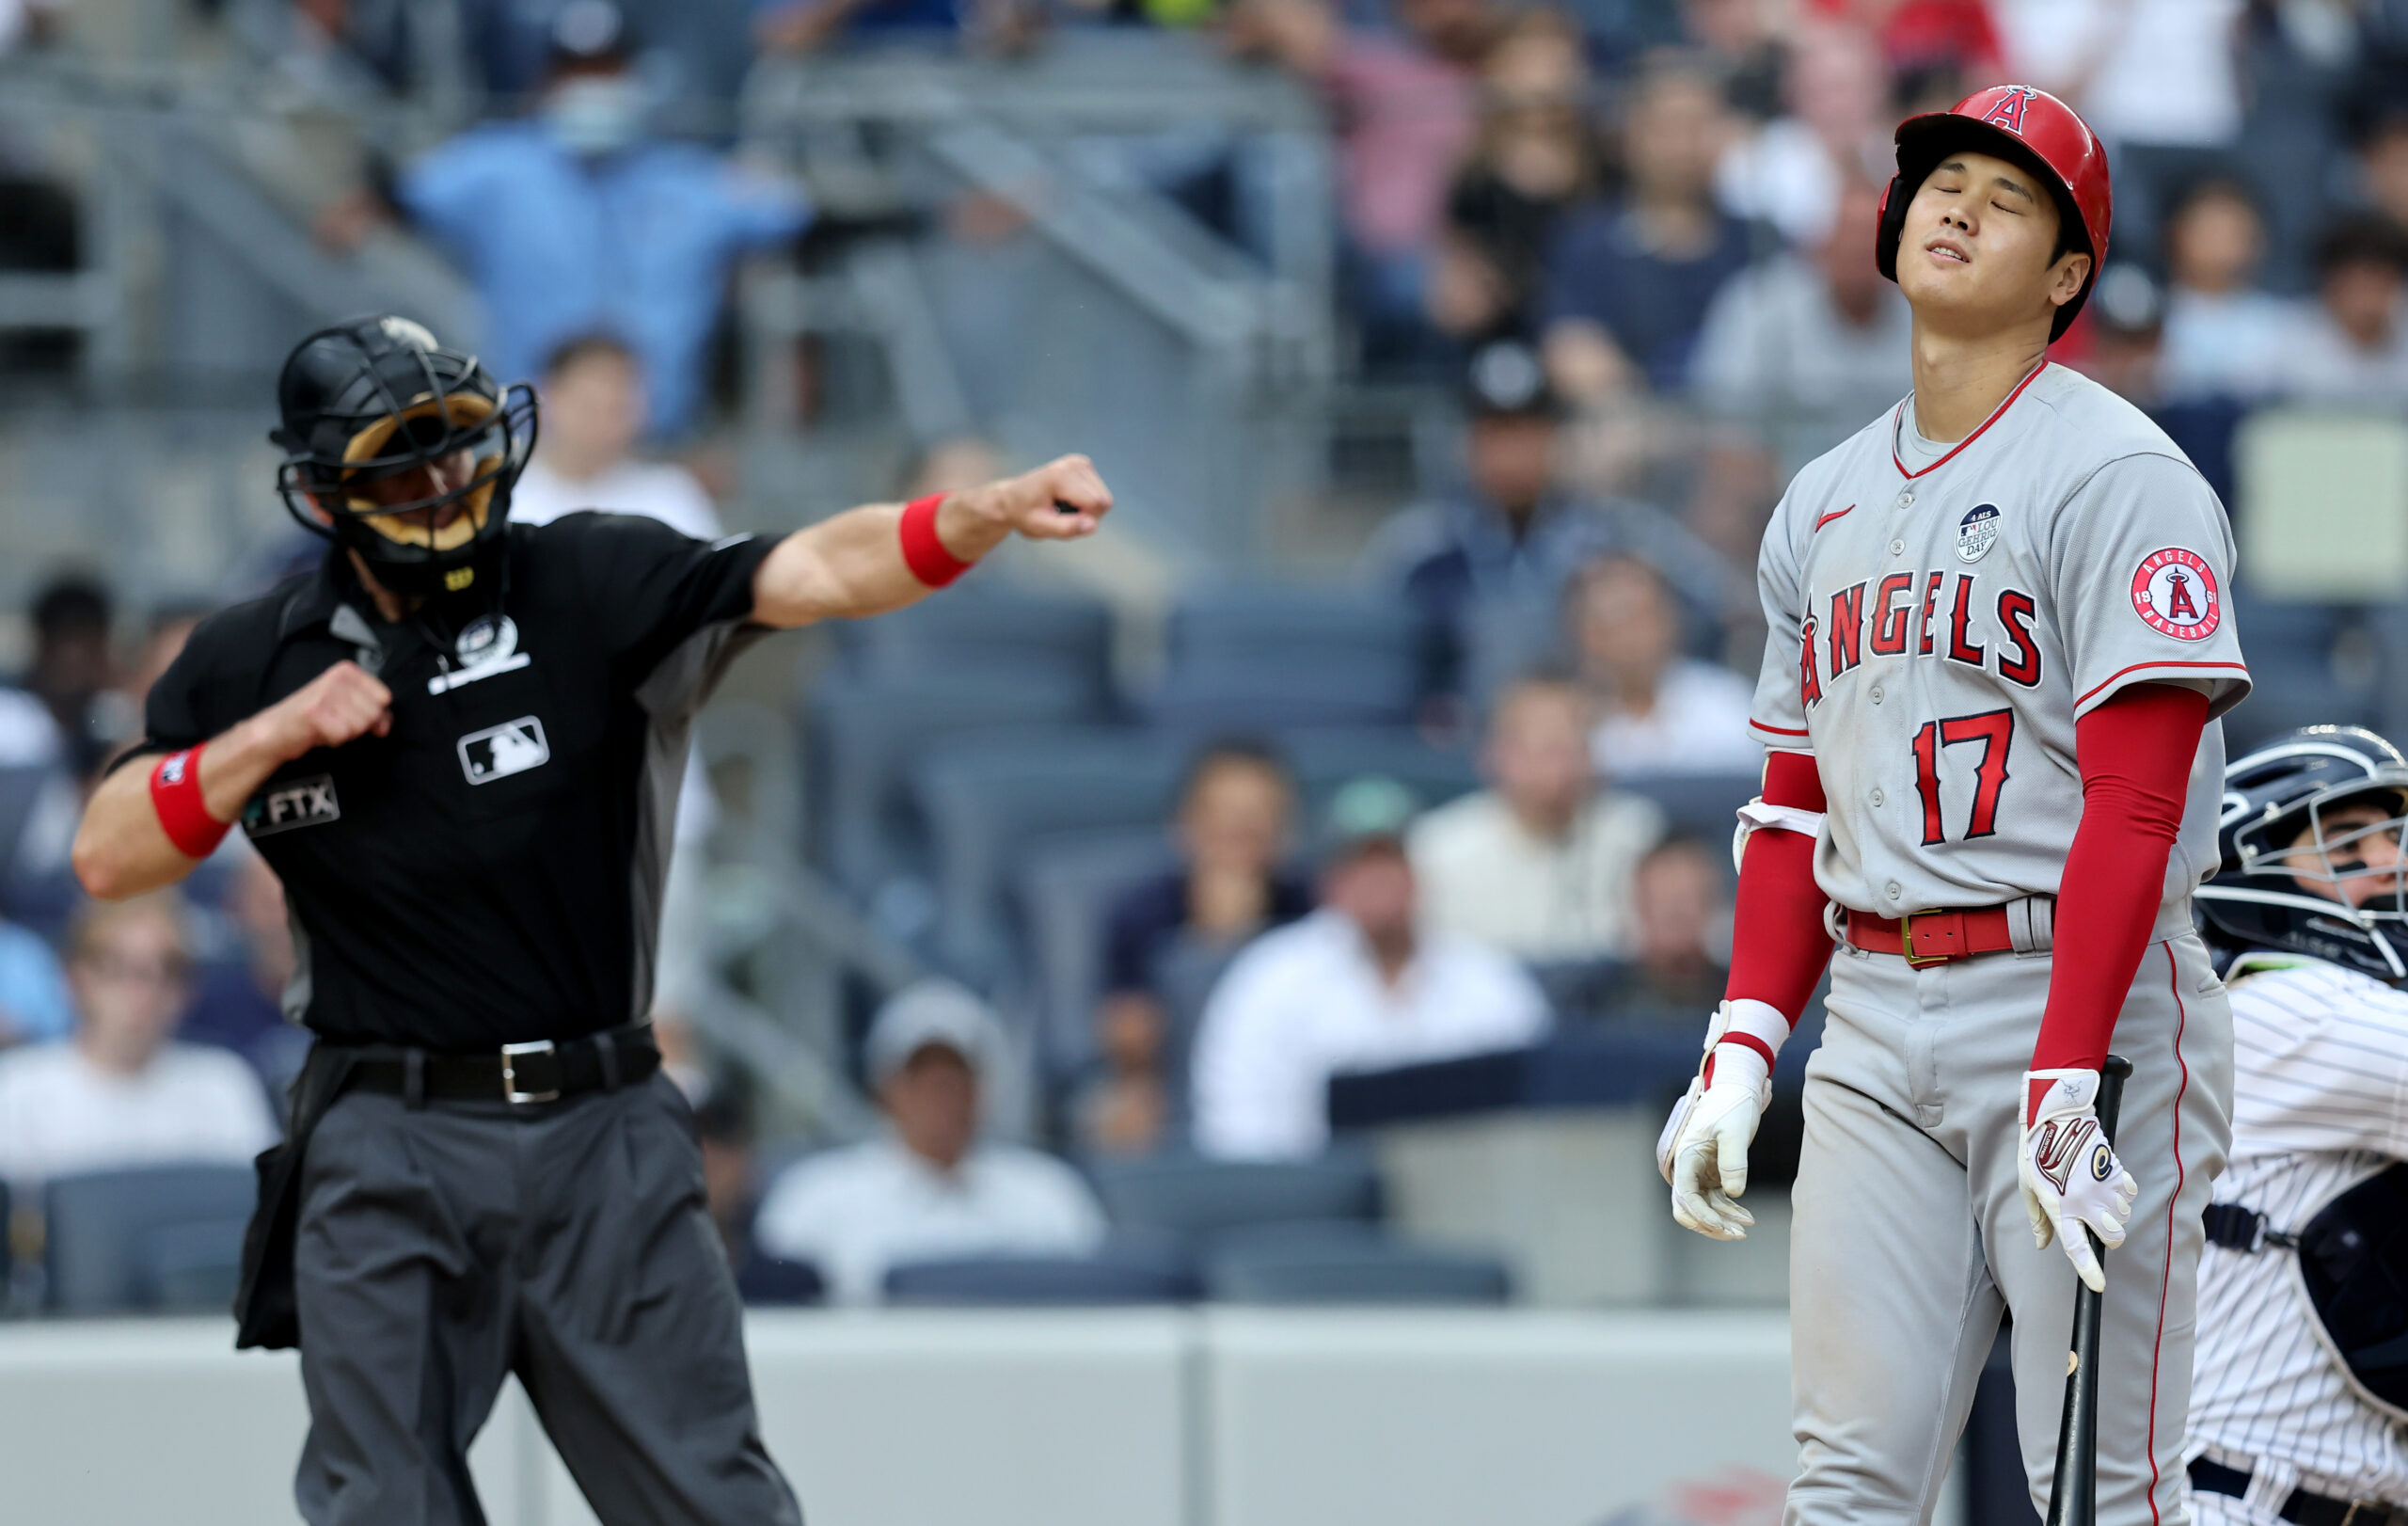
<point>1823,519</point>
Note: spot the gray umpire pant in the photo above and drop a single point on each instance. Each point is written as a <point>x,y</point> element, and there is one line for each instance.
<point>1909,1235</point>
<point>443,1248</point>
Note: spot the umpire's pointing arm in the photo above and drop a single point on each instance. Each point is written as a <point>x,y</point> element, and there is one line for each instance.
<point>863,562</point>
<point>855,564</point>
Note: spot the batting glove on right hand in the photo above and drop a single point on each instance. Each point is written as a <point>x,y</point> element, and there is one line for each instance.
<point>1702,1152</point>
<point>2070,1175</point>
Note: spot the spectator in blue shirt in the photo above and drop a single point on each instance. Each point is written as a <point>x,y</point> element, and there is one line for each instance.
<point>579,219</point>
<point>1629,280</point>
<point>33,1004</point>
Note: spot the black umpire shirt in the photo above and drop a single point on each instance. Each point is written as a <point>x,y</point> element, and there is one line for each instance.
<point>489,872</point>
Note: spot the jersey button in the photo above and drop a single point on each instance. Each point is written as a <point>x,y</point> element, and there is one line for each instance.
<point>1895,889</point>
<point>1877,693</point>
<point>1897,548</point>
<point>1906,501</point>
<point>1875,796</point>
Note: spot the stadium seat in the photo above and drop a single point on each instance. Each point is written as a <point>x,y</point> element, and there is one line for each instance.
<point>988,802</point>
<point>1257,659</point>
<point>984,629</point>
<point>1326,759</point>
<point>1039,1281</point>
<point>1340,1271</point>
<point>1063,892</point>
<point>149,1238</point>
<point>769,1281</point>
<point>861,736</point>
<point>1704,805</point>
<point>1202,1201</point>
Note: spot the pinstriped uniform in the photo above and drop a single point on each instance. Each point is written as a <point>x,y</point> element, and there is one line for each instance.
<point>2320,1104</point>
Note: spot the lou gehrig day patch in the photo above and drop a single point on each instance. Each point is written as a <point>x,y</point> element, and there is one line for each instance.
<point>2176,592</point>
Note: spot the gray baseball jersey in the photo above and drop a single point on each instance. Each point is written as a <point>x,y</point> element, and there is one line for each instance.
<point>1935,634</point>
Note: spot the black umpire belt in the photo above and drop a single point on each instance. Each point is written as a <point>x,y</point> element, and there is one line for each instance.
<point>2302,1508</point>
<point>523,1074</point>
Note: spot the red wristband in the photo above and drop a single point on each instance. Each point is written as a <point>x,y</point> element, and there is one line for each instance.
<point>175,794</point>
<point>922,552</point>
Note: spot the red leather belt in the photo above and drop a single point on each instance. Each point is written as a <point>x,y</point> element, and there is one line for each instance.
<point>1934,937</point>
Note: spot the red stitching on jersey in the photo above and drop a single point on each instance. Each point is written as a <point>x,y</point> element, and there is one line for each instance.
<point>1777,731</point>
<point>2182,1017</point>
<point>1969,439</point>
<point>1821,520</point>
<point>2240,668</point>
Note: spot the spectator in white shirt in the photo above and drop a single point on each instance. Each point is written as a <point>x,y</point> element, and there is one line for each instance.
<point>1540,864</point>
<point>2353,348</point>
<point>594,412</point>
<point>118,1093</point>
<point>930,1187</point>
<point>1658,713</point>
<point>2222,337</point>
<point>1355,986</point>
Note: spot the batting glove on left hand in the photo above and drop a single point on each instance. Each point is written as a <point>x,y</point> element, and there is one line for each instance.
<point>2070,1175</point>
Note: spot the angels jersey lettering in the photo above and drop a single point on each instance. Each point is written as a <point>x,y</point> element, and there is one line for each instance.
<point>1935,634</point>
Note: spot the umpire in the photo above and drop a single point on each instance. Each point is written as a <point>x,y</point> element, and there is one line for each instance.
<point>459,745</point>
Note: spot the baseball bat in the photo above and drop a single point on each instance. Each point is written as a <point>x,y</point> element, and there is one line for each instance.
<point>2073,1497</point>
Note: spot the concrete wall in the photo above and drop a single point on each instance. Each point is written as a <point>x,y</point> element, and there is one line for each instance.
<point>1135,1418</point>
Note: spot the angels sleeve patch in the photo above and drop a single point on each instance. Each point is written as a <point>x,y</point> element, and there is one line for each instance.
<point>2175,591</point>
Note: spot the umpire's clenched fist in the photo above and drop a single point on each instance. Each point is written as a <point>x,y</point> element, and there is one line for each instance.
<point>344,701</point>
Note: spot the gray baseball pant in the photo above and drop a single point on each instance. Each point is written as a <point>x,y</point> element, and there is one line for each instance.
<point>443,1248</point>
<point>1909,1235</point>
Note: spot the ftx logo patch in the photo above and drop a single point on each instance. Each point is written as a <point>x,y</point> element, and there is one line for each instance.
<point>499,752</point>
<point>302,803</point>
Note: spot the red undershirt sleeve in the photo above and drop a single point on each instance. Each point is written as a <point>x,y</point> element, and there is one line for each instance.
<point>2135,753</point>
<point>1783,945</point>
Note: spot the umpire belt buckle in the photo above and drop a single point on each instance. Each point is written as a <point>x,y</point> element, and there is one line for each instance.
<point>511,1054</point>
<point>1932,938</point>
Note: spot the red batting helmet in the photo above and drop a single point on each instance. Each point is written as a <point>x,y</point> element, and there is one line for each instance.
<point>2019,123</point>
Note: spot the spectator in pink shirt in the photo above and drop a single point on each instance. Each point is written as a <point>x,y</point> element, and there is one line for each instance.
<point>1407,109</point>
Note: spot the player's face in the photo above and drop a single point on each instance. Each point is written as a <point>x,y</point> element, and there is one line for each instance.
<point>1978,251</point>
<point>2361,858</point>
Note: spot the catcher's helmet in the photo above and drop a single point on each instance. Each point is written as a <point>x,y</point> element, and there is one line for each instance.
<point>2029,127</point>
<point>378,399</point>
<point>2256,899</point>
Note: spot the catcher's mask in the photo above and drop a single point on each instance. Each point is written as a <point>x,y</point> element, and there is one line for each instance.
<point>401,450</point>
<point>2281,884</point>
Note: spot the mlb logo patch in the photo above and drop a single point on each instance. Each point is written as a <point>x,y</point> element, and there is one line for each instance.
<point>499,752</point>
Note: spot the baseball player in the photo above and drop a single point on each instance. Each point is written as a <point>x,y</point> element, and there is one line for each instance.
<point>2299,1408</point>
<point>458,743</point>
<point>1998,645</point>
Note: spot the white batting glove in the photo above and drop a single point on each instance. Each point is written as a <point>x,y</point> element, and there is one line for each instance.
<point>1702,1152</point>
<point>2070,1175</point>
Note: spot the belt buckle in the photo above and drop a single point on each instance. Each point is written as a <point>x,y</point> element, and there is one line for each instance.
<point>1954,935</point>
<point>510,1092</point>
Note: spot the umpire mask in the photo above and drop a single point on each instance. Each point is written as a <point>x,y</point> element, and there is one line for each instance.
<point>401,450</point>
